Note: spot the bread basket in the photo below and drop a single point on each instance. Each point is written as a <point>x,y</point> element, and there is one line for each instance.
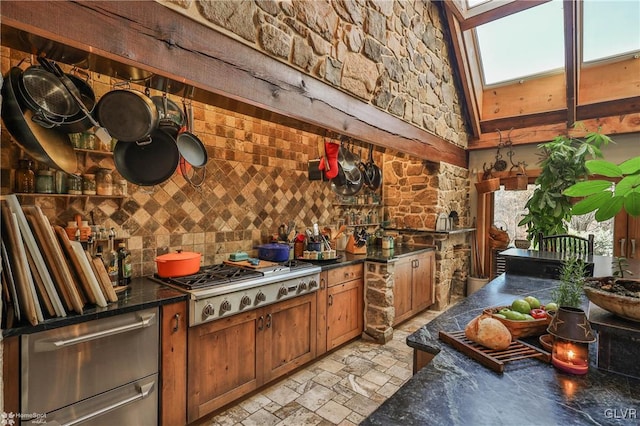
<point>520,329</point>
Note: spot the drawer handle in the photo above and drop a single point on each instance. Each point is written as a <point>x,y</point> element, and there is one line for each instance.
<point>177,326</point>
<point>143,392</point>
<point>331,300</point>
<point>269,318</point>
<point>321,283</point>
<point>48,345</point>
<point>623,243</point>
<point>261,323</point>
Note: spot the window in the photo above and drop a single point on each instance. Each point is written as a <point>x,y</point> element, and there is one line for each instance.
<point>523,44</point>
<point>610,28</point>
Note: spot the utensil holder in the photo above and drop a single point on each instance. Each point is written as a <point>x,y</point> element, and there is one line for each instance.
<point>353,249</point>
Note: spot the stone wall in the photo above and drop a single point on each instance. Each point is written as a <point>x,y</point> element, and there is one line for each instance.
<point>391,54</point>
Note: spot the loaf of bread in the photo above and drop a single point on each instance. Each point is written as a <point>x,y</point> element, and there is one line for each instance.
<point>488,332</point>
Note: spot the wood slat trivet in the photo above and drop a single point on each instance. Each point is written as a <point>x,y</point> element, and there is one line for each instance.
<point>493,358</point>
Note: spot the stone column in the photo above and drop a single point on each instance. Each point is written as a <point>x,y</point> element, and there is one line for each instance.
<point>379,312</point>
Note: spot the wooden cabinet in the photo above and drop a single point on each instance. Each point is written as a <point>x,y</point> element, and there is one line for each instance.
<point>173,394</point>
<point>344,305</point>
<point>232,356</point>
<point>413,289</point>
<point>626,240</point>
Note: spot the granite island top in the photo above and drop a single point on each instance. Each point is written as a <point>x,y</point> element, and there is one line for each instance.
<point>453,389</point>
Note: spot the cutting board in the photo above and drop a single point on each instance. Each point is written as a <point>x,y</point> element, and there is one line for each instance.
<point>493,358</point>
<point>245,264</point>
<point>65,243</point>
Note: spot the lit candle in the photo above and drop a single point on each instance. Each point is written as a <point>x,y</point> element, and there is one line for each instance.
<point>570,357</point>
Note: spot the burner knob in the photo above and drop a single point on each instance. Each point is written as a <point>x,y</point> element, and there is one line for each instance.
<point>313,283</point>
<point>225,307</point>
<point>245,301</point>
<point>207,311</point>
<point>260,297</point>
<point>302,286</point>
<point>283,291</point>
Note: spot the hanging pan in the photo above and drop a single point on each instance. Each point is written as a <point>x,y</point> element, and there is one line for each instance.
<point>190,146</point>
<point>44,145</point>
<point>128,115</point>
<point>147,162</point>
<point>374,174</point>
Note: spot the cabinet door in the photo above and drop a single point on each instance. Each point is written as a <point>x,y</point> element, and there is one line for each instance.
<point>223,362</point>
<point>402,289</point>
<point>173,373</point>
<point>344,313</point>
<point>422,281</point>
<point>626,240</point>
<point>289,335</point>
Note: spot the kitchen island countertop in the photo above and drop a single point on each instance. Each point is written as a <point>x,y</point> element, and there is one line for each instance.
<point>453,389</point>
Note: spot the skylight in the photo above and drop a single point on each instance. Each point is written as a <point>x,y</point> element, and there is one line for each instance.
<point>610,28</point>
<point>523,44</point>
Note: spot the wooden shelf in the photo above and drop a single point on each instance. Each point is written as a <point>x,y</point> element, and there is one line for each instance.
<point>70,196</point>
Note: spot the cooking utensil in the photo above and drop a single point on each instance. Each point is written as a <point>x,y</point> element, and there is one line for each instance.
<point>273,252</point>
<point>100,132</point>
<point>373,172</point>
<point>128,115</point>
<point>44,145</point>
<point>147,163</point>
<point>190,146</point>
<point>178,264</point>
<point>79,122</point>
<point>168,110</point>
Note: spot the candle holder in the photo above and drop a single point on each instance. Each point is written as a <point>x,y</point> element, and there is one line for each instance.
<point>573,334</point>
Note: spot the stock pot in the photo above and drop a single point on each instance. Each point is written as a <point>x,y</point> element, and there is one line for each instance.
<point>178,264</point>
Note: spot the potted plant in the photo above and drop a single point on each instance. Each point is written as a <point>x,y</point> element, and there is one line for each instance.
<point>572,279</point>
<point>563,164</point>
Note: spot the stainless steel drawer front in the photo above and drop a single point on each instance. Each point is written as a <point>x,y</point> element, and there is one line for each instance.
<point>68,364</point>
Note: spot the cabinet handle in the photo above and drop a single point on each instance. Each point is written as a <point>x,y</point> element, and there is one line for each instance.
<point>633,248</point>
<point>330,299</point>
<point>176,317</point>
<point>346,275</point>
<point>261,323</point>
<point>144,321</point>
<point>143,391</point>
<point>269,317</point>
<point>623,243</point>
<point>321,283</point>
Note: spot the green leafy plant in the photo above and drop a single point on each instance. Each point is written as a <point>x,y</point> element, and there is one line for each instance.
<point>572,279</point>
<point>562,164</point>
<point>605,197</point>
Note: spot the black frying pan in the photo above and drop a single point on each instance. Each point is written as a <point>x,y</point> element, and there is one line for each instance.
<point>44,145</point>
<point>147,163</point>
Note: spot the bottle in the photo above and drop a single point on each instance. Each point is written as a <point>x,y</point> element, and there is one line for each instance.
<point>124,265</point>
<point>111,261</point>
<point>25,177</point>
<point>44,182</point>
<point>104,182</point>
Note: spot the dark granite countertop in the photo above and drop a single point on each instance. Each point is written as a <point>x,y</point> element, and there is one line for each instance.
<point>374,254</point>
<point>144,293</point>
<point>453,389</point>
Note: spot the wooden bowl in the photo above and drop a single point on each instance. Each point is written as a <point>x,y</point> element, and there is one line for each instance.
<point>546,340</point>
<point>626,307</point>
<point>520,329</point>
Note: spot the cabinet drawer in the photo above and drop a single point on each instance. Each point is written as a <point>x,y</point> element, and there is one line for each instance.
<point>67,364</point>
<point>344,274</point>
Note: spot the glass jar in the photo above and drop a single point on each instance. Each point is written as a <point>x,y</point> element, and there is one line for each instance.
<point>104,182</point>
<point>45,182</point>
<point>61,182</point>
<point>88,141</point>
<point>89,184</point>
<point>25,177</point>
<point>74,185</point>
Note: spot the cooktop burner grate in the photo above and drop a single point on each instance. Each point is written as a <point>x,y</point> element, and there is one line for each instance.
<point>213,275</point>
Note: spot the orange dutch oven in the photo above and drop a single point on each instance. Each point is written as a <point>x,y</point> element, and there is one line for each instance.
<point>178,264</point>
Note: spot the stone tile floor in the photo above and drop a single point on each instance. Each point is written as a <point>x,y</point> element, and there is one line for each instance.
<point>341,388</point>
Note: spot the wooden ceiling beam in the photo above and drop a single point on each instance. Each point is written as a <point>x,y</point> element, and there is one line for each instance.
<point>155,38</point>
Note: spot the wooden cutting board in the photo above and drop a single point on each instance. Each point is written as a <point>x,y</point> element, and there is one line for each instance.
<point>245,264</point>
<point>70,254</point>
<point>493,358</point>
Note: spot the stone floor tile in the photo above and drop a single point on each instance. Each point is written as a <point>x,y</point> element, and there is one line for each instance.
<point>304,375</point>
<point>377,377</point>
<point>400,372</point>
<point>333,412</point>
<point>384,359</point>
<point>353,418</point>
<point>359,385</point>
<point>296,415</point>
<point>230,417</point>
<point>261,418</point>
<point>315,397</point>
<point>255,403</point>
<point>327,379</point>
<point>362,405</point>
<point>330,365</point>
<point>388,389</point>
<point>281,394</point>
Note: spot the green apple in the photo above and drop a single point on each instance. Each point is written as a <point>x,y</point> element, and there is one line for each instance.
<point>551,307</point>
<point>521,305</point>
<point>533,302</point>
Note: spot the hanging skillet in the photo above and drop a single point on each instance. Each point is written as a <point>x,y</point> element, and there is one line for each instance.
<point>128,115</point>
<point>148,162</point>
<point>190,146</point>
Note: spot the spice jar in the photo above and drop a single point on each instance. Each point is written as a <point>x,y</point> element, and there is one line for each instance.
<point>120,187</point>
<point>25,177</point>
<point>74,185</point>
<point>104,182</point>
<point>44,182</point>
<point>89,184</point>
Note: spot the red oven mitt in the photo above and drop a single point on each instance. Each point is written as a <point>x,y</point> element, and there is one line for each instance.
<point>331,154</point>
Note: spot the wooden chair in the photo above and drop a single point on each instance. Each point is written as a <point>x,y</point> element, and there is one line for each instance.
<point>566,244</point>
